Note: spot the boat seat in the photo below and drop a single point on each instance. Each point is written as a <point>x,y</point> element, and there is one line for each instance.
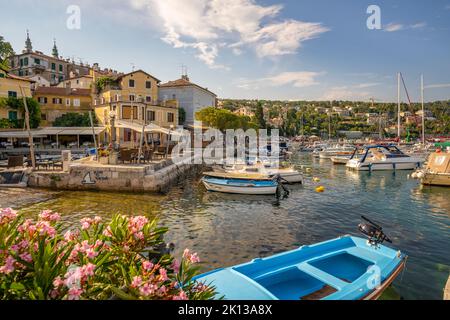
<point>322,275</point>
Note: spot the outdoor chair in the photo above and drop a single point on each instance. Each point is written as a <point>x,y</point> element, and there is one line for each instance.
<point>160,152</point>
<point>15,161</point>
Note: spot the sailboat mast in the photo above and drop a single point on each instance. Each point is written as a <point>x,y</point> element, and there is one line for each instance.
<point>423,109</point>
<point>399,110</point>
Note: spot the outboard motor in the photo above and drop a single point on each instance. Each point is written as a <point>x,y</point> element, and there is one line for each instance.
<point>373,232</point>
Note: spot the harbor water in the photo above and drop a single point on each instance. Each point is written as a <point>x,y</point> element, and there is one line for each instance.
<point>230,229</point>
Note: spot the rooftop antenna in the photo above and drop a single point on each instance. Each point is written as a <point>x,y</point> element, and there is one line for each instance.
<point>133,66</point>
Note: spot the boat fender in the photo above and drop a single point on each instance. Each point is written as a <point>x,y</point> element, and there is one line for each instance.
<point>320,189</point>
<point>308,169</point>
<point>316,179</point>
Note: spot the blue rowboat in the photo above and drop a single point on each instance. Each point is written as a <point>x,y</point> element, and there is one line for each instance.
<point>346,268</point>
<point>240,186</point>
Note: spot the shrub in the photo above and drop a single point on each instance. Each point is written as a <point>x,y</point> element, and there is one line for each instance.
<point>124,259</point>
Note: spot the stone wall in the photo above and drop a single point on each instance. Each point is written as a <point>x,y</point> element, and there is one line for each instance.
<point>155,178</point>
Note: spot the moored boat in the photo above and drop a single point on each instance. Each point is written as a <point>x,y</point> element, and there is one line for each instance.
<point>383,157</point>
<point>340,159</point>
<point>345,268</point>
<point>240,184</point>
<point>437,170</point>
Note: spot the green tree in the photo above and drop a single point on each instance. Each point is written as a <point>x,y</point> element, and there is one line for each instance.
<point>73,119</point>
<point>17,104</point>
<point>6,51</point>
<point>224,119</point>
<point>259,115</point>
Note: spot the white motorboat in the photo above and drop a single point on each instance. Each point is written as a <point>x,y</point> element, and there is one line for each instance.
<point>346,150</point>
<point>288,174</point>
<point>381,157</point>
<point>340,159</point>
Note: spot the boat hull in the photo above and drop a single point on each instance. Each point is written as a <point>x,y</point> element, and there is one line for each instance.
<point>436,179</point>
<point>383,166</point>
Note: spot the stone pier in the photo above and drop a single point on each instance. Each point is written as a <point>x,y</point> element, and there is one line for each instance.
<point>156,177</point>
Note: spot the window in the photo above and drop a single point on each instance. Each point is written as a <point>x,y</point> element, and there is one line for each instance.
<point>37,61</point>
<point>57,101</point>
<point>2,75</point>
<point>20,73</point>
<point>12,63</point>
<point>148,99</point>
<point>126,112</point>
<point>132,97</point>
<point>21,62</point>
<point>174,97</point>
<point>148,84</point>
<point>170,117</point>
<point>78,81</point>
<point>26,72</point>
<point>53,66</point>
<point>76,102</point>
<point>12,115</point>
<point>42,100</point>
<point>43,116</point>
<point>12,94</point>
<point>60,68</point>
<point>135,112</point>
<point>131,83</point>
<point>61,78</point>
<point>151,115</point>
<point>25,61</point>
<point>67,102</point>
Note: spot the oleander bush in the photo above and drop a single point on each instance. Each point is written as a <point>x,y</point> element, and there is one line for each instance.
<point>123,259</point>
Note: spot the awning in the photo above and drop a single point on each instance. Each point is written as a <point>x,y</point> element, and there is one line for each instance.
<point>150,128</point>
<point>49,131</point>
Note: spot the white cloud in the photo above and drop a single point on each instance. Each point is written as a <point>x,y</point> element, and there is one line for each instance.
<point>366,85</point>
<point>344,93</point>
<point>209,25</point>
<point>439,85</point>
<point>392,27</point>
<point>297,79</point>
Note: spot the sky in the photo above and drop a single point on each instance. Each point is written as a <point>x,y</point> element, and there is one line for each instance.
<point>252,49</point>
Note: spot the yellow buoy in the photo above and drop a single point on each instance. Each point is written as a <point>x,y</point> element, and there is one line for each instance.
<point>308,169</point>
<point>320,189</point>
<point>315,179</point>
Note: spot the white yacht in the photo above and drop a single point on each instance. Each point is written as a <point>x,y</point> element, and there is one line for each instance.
<point>345,150</point>
<point>381,157</point>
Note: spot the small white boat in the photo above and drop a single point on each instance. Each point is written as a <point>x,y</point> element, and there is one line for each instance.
<point>340,159</point>
<point>336,151</point>
<point>251,186</point>
<point>289,174</point>
<point>381,157</point>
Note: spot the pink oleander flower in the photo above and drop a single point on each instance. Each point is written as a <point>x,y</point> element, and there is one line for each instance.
<point>70,235</point>
<point>48,215</point>
<point>7,215</point>
<point>24,244</point>
<point>91,253</point>
<point>191,257</point>
<point>136,224</point>
<point>137,281</point>
<point>162,290</point>
<point>74,293</point>
<point>86,223</point>
<point>107,232</point>
<point>175,266</point>
<point>45,228</point>
<point>98,243</point>
<point>147,265</point>
<point>97,219</point>
<point>9,265</point>
<point>163,274</point>
<point>73,277</point>
<point>58,282</point>
<point>88,270</point>
<point>139,235</point>
<point>26,257</point>
<point>148,289</point>
<point>181,296</point>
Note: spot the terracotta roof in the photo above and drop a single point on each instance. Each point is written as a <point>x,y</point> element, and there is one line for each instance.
<point>183,83</point>
<point>121,75</point>
<point>62,91</point>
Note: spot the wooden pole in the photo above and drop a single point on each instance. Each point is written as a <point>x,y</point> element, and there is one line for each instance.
<point>27,124</point>
<point>399,109</point>
<point>93,134</point>
<point>423,110</point>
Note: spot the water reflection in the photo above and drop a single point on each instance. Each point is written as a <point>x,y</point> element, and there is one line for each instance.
<point>229,229</point>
